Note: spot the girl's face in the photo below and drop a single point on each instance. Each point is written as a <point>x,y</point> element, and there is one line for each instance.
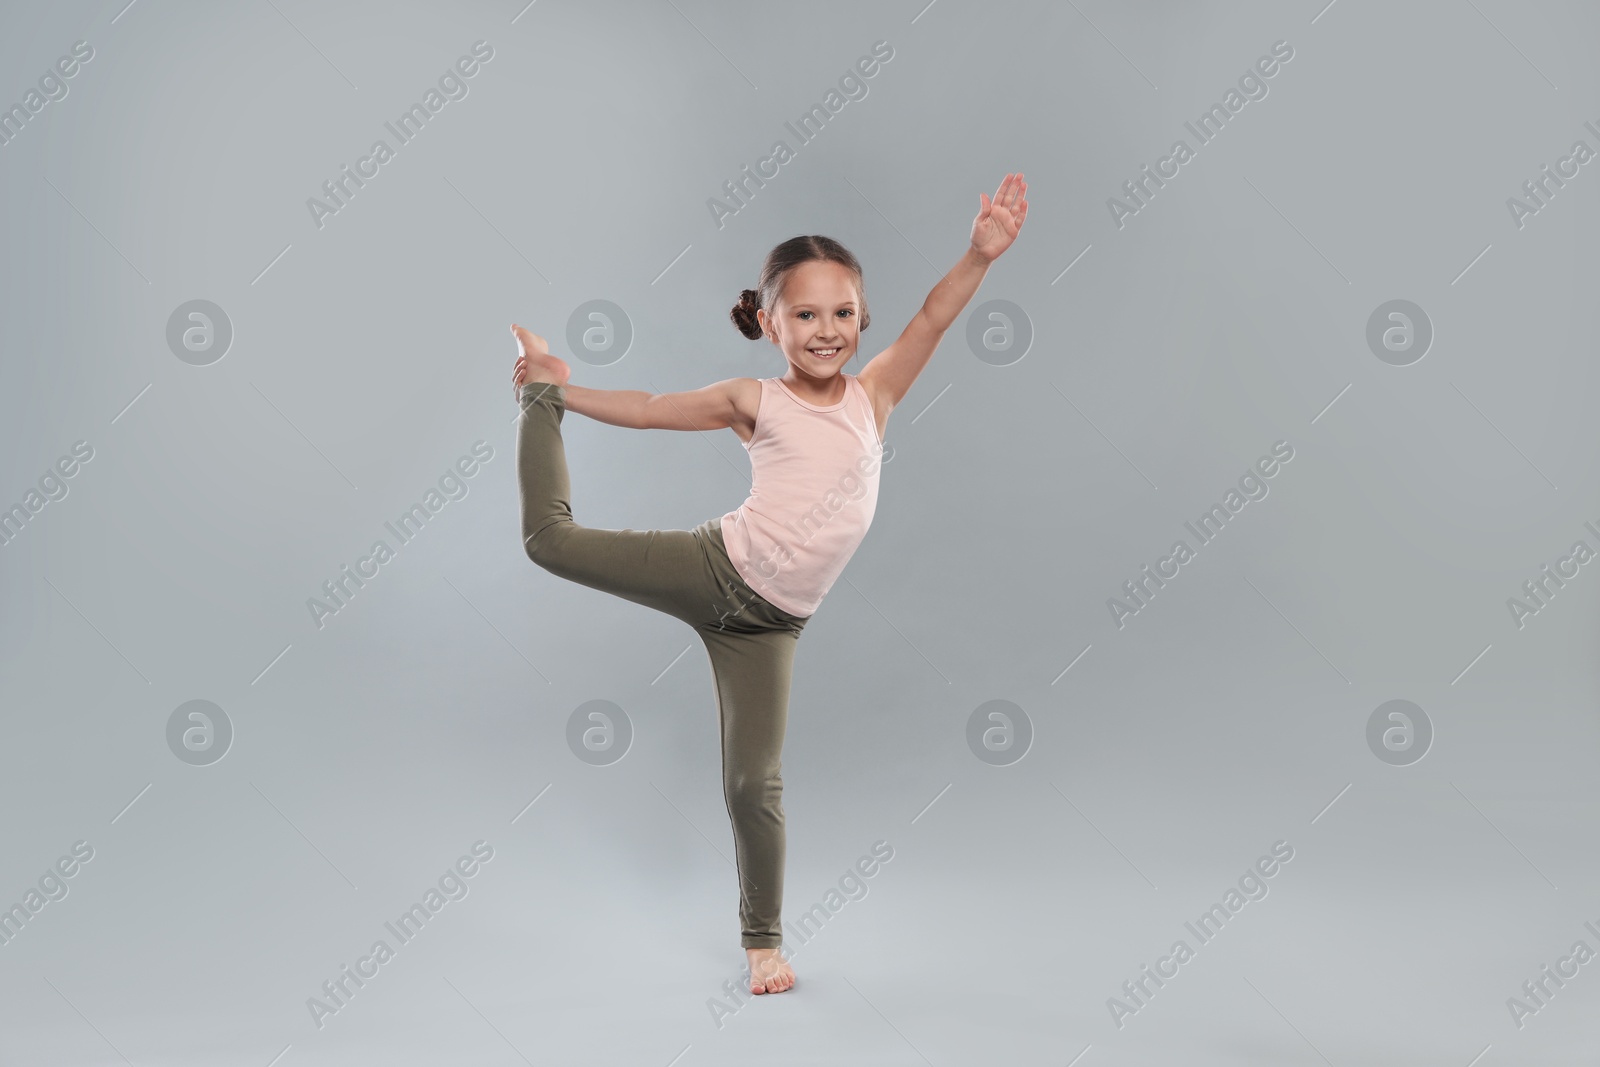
<point>815,318</point>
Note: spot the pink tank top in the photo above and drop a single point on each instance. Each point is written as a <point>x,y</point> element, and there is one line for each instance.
<point>813,491</point>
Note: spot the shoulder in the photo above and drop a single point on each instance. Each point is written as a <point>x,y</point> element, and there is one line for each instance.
<point>744,397</point>
<point>743,393</point>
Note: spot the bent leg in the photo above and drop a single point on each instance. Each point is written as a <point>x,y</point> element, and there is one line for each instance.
<point>661,569</point>
<point>752,673</point>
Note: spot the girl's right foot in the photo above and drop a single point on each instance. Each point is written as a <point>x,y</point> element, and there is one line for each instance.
<point>536,364</point>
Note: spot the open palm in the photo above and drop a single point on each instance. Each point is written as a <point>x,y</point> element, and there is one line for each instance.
<point>1000,219</point>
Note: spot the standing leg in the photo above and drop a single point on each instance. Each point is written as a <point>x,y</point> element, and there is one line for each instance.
<point>661,569</point>
<point>752,673</point>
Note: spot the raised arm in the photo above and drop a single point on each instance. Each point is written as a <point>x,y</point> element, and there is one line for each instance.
<point>891,373</point>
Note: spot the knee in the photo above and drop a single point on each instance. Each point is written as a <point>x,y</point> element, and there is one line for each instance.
<point>541,545</point>
<point>752,792</point>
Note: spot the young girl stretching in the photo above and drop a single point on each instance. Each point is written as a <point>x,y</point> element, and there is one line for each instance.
<point>748,581</point>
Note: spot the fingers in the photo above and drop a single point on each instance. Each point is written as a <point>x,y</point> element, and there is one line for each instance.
<point>1010,190</point>
<point>1015,200</point>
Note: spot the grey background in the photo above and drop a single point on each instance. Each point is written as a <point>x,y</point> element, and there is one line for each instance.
<point>1230,713</point>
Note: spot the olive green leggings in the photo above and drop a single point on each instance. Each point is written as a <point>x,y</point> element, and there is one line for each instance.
<point>686,574</point>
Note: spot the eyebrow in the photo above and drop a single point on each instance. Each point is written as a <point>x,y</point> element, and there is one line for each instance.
<point>807,307</point>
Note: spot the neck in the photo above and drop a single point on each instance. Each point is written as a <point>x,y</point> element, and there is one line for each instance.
<point>819,391</point>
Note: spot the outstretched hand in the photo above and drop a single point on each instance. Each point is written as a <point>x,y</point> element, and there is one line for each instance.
<point>1000,219</point>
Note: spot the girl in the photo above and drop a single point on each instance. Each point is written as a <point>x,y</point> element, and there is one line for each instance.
<point>749,580</point>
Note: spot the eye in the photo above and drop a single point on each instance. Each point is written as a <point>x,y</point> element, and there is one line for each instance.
<point>803,314</point>
<point>846,311</point>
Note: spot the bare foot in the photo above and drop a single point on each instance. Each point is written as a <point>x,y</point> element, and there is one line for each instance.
<point>769,971</point>
<point>536,364</point>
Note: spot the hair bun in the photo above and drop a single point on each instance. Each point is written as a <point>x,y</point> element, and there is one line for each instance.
<point>744,313</point>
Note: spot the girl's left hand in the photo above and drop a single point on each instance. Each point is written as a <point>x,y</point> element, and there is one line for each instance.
<point>1000,219</point>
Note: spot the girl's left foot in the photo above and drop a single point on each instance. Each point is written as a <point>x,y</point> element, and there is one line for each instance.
<point>769,971</point>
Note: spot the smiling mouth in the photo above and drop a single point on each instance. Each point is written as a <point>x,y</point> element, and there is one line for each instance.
<point>824,353</point>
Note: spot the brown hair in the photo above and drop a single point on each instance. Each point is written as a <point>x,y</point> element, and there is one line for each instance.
<point>780,261</point>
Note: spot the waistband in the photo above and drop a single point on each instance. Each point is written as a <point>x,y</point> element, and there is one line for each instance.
<point>746,605</point>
